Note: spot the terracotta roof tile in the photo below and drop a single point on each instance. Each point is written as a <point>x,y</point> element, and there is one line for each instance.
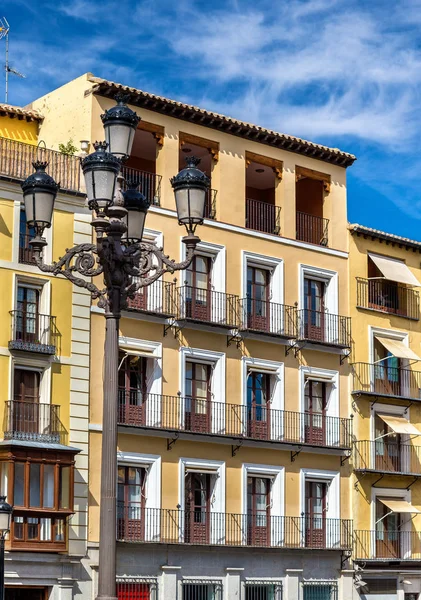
<point>23,113</point>
<point>391,237</point>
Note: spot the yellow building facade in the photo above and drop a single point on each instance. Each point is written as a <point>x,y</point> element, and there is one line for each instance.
<point>44,374</point>
<point>385,391</point>
<point>234,416</point>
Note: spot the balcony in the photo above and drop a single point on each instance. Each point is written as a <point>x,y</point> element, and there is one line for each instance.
<point>381,456</point>
<point>199,305</point>
<point>270,318</point>
<point>210,204</point>
<point>262,216</point>
<point>323,328</point>
<point>311,229</point>
<point>33,332</point>
<point>386,545</point>
<point>173,526</point>
<point>158,299</point>
<point>388,297</point>
<point>149,183</point>
<point>233,421</point>
<point>33,422</point>
<point>16,160</point>
<point>382,380</point>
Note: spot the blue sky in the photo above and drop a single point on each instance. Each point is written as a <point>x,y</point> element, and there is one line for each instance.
<point>339,72</point>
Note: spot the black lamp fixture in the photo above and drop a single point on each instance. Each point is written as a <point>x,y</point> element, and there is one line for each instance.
<point>190,187</point>
<point>5,519</point>
<point>39,194</point>
<point>120,124</point>
<point>137,206</point>
<point>100,170</point>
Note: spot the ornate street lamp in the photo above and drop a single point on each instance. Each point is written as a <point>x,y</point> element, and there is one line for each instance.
<point>126,264</point>
<point>5,518</point>
<point>39,194</point>
<point>120,124</point>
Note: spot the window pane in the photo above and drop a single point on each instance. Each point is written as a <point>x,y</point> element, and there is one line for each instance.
<point>19,484</point>
<point>45,533</point>
<point>64,500</point>
<point>48,499</point>
<point>18,528</point>
<point>59,535</point>
<point>32,528</point>
<point>35,485</point>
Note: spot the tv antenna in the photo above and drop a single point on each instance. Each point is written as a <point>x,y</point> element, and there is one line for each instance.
<point>4,33</point>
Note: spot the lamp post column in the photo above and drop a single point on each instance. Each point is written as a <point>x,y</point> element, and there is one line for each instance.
<point>2,567</point>
<point>107,525</point>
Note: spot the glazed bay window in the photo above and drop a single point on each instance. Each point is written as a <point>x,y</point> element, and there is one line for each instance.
<point>40,486</point>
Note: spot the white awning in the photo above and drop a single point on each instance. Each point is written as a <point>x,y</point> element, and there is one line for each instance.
<point>399,424</point>
<point>399,506</point>
<point>394,270</point>
<point>143,352</point>
<point>397,348</point>
<point>257,369</point>
<point>321,378</point>
<point>202,470</point>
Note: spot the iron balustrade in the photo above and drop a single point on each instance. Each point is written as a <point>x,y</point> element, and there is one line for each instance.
<point>383,380</point>
<point>210,205</point>
<point>207,306</point>
<point>33,331</point>
<point>382,544</point>
<point>158,298</point>
<point>388,297</point>
<point>26,255</point>
<point>324,328</point>
<point>255,422</point>
<point>311,229</point>
<point>16,160</point>
<point>390,457</point>
<point>263,316</point>
<point>149,183</point>
<point>33,421</point>
<point>175,526</point>
<point>262,216</point>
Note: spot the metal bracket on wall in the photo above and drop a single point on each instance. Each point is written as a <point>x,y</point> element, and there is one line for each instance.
<point>235,449</point>
<point>358,480</point>
<point>169,326</point>
<point>345,458</point>
<point>374,402</point>
<point>407,408</point>
<point>378,480</point>
<point>171,442</point>
<point>344,356</point>
<point>236,338</point>
<point>295,454</point>
<point>345,556</point>
<point>295,346</point>
<point>412,483</point>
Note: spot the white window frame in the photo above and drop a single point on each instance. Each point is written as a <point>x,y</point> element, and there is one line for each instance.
<point>333,497</point>
<point>48,234</point>
<point>277,400</point>
<point>218,362</point>
<point>391,334</point>
<point>217,253</point>
<point>277,496</point>
<point>400,411</point>
<point>33,364</point>
<point>37,283</point>
<point>151,462</point>
<point>401,494</point>
<point>217,504</point>
<point>154,293</point>
<point>333,402</point>
<point>330,278</point>
<point>153,374</point>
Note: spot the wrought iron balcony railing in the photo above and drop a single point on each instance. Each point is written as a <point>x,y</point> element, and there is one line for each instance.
<point>263,316</point>
<point>321,327</point>
<point>33,332</point>
<point>158,298</point>
<point>149,183</point>
<point>388,297</point>
<point>387,457</point>
<point>381,380</point>
<point>311,229</point>
<point>26,255</point>
<point>202,527</point>
<point>33,421</point>
<point>256,422</point>
<point>382,544</point>
<point>16,160</point>
<point>262,216</point>
<point>207,306</point>
<point>210,206</point>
